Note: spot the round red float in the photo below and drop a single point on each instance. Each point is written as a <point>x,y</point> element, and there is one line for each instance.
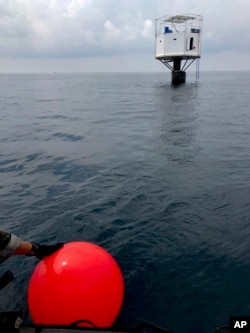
<point>80,281</point>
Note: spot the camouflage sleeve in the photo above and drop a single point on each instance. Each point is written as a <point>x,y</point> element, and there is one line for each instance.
<point>4,239</point>
<point>8,244</point>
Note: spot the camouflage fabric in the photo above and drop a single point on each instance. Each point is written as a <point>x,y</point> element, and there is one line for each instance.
<point>4,239</point>
<point>8,244</point>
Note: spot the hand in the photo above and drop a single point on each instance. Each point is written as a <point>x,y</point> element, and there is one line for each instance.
<point>46,250</point>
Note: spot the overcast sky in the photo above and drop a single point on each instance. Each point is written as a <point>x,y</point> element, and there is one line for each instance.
<point>114,35</point>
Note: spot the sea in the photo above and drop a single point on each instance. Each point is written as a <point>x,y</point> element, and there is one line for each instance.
<point>158,175</point>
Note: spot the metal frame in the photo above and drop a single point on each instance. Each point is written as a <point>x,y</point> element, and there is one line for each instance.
<point>184,67</point>
<point>183,21</point>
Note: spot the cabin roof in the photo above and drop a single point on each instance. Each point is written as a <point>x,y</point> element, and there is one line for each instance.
<point>179,18</point>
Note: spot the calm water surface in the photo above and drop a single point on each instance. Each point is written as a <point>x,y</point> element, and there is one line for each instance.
<point>157,175</point>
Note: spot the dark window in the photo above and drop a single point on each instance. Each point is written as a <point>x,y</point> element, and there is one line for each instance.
<point>191,44</point>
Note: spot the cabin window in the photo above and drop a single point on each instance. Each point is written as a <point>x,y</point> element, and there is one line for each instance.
<point>191,43</point>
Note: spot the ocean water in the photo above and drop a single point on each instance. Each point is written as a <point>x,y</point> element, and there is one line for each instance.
<point>157,175</point>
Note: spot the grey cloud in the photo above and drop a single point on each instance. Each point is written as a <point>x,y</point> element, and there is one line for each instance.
<point>71,28</point>
<point>103,28</point>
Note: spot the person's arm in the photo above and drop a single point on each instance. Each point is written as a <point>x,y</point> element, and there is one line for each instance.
<point>9,243</point>
<point>12,245</point>
<point>23,248</point>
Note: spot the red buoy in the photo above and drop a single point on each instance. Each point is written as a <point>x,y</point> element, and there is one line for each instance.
<point>79,282</point>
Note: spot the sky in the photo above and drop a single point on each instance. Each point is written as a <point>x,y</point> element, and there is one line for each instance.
<point>115,35</point>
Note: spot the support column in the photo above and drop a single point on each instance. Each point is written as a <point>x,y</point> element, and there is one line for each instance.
<point>177,64</point>
<point>178,76</point>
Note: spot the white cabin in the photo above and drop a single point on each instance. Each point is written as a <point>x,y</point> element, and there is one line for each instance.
<point>178,36</point>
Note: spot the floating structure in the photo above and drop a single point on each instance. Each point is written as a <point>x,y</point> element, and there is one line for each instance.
<point>177,39</point>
